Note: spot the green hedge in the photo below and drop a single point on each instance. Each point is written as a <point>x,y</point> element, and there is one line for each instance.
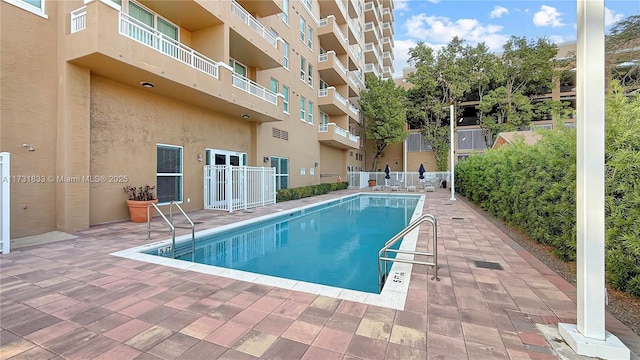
<point>533,187</point>
<point>307,191</point>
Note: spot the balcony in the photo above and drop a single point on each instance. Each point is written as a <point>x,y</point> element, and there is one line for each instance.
<point>117,47</point>
<point>337,137</point>
<point>334,8</point>
<point>190,15</point>
<point>387,29</point>
<point>353,57</point>
<point>371,13</point>
<point>352,31</point>
<point>371,34</point>
<point>331,69</point>
<point>253,44</point>
<point>371,69</point>
<point>371,54</point>
<point>354,85</point>
<point>387,72</point>
<point>263,8</point>
<point>331,102</point>
<point>387,4</point>
<point>387,15</point>
<point>387,44</point>
<point>355,9</point>
<point>387,58</point>
<point>354,112</point>
<point>331,37</point>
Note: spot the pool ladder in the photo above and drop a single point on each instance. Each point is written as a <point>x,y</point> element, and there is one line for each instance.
<point>384,259</point>
<point>172,227</point>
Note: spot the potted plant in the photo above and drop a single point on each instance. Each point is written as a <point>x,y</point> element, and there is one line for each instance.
<point>372,183</point>
<point>138,198</point>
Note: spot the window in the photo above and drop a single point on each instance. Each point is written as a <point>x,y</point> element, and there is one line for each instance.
<point>309,4</point>
<point>303,67</point>
<point>310,113</point>
<point>323,84</point>
<point>274,86</point>
<point>303,28</point>
<point>152,20</point>
<point>303,103</point>
<point>285,55</point>
<point>33,6</point>
<point>285,100</point>
<point>285,11</point>
<point>310,75</point>
<point>238,68</point>
<point>169,173</point>
<point>310,37</point>
<point>324,118</point>
<point>282,172</point>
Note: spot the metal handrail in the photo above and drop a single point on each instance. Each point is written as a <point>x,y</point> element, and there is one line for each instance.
<point>383,259</point>
<point>193,227</point>
<point>171,226</point>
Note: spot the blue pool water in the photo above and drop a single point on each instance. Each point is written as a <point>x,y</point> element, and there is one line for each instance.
<point>333,244</point>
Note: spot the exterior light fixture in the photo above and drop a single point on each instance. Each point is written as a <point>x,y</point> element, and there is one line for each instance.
<point>147,84</point>
<point>200,158</point>
<point>245,116</point>
<point>265,159</point>
<point>29,147</point>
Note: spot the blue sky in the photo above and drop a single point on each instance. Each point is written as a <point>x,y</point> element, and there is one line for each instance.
<point>436,22</point>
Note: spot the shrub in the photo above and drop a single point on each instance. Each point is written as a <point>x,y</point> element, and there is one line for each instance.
<point>533,187</point>
<point>308,191</point>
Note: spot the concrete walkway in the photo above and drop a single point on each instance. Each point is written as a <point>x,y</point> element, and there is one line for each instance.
<point>70,299</point>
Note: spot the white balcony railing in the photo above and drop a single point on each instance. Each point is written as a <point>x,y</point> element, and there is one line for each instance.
<point>371,68</point>
<point>342,8</point>
<point>323,128</point>
<point>152,38</point>
<point>248,19</point>
<point>253,88</point>
<point>387,54</point>
<point>354,138</point>
<point>79,19</point>
<point>354,109</point>
<point>338,130</point>
<point>340,98</point>
<point>372,47</point>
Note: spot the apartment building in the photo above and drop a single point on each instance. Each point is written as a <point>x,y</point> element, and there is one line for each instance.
<point>105,93</point>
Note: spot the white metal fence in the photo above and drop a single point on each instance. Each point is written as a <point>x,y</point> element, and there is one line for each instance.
<point>5,218</point>
<point>232,188</point>
<point>360,180</point>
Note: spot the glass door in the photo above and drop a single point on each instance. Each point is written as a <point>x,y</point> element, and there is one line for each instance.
<point>221,181</point>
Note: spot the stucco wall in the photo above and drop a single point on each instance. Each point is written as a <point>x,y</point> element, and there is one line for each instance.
<point>127,124</point>
<point>28,81</point>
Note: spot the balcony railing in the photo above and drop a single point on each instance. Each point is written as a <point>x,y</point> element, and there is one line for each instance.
<point>154,39</point>
<point>79,19</point>
<point>254,89</point>
<point>371,68</point>
<point>336,29</point>
<point>342,8</point>
<point>354,109</point>
<point>354,138</point>
<point>387,54</point>
<point>248,19</point>
<point>325,57</point>
<point>336,95</point>
<point>340,98</point>
<point>372,47</point>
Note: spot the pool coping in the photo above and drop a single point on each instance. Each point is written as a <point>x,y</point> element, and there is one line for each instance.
<point>393,294</point>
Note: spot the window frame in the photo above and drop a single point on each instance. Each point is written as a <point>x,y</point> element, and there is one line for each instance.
<point>310,112</point>
<point>310,37</point>
<point>285,99</point>
<point>303,112</point>
<point>285,11</point>
<point>280,175</point>
<point>303,29</point>
<point>179,175</point>
<point>310,75</point>
<point>285,54</point>
<point>303,69</point>
<point>40,11</point>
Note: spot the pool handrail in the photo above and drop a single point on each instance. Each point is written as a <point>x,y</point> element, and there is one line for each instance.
<point>172,227</point>
<point>383,259</point>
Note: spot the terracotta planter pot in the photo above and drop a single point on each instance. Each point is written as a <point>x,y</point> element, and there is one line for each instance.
<point>138,210</point>
<point>372,183</point>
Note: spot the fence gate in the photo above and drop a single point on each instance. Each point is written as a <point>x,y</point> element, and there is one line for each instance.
<point>230,188</point>
<point>5,218</point>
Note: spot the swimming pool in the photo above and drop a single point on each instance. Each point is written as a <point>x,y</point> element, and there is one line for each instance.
<point>334,244</point>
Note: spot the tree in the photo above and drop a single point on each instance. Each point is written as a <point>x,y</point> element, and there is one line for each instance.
<point>440,79</point>
<point>623,65</point>
<point>383,104</point>
<point>526,69</point>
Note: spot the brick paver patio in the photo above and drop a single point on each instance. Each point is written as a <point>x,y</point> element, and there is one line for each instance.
<point>71,299</point>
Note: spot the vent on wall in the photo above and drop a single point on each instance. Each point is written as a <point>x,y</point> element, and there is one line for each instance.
<point>280,134</point>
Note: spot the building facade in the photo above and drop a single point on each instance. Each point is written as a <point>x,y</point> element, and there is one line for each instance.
<point>101,94</point>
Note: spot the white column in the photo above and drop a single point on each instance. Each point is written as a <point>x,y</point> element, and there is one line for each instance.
<point>589,337</point>
<point>452,124</point>
<point>5,202</point>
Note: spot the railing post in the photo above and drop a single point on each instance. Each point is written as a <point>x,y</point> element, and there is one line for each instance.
<point>228,189</point>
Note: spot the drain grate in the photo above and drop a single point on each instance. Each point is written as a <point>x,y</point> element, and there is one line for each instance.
<point>198,222</point>
<point>457,218</point>
<point>488,265</point>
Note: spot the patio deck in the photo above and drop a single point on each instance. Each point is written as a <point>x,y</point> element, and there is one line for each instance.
<point>71,299</point>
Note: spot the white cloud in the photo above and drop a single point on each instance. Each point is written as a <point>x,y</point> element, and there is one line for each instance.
<point>548,16</point>
<point>440,30</point>
<point>401,55</point>
<point>498,11</point>
<point>401,5</point>
<point>434,1</point>
<point>557,39</point>
<point>611,17</point>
